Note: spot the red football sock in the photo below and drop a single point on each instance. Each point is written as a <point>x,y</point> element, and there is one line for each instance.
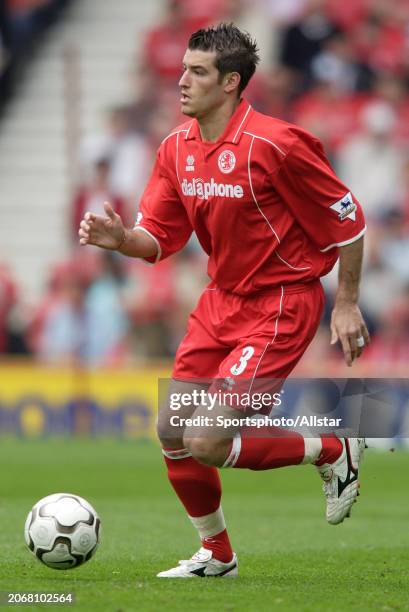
<point>198,487</point>
<point>220,545</point>
<point>282,448</point>
<point>331,449</point>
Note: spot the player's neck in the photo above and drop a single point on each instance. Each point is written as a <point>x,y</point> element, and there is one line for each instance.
<point>214,123</point>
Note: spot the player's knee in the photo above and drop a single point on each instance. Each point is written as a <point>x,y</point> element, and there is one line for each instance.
<point>204,450</point>
<point>168,442</point>
<point>166,435</point>
<point>162,431</point>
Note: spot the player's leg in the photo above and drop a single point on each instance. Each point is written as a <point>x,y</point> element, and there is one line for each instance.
<point>273,357</point>
<point>337,460</point>
<point>199,489</point>
<point>244,445</point>
<point>197,486</point>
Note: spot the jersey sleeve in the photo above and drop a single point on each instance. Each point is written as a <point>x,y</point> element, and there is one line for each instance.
<point>162,215</point>
<point>322,205</point>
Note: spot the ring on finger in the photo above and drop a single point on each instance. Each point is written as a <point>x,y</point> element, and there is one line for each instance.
<point>360,342</point>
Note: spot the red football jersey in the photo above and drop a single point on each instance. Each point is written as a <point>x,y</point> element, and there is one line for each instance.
<point>263,200</point>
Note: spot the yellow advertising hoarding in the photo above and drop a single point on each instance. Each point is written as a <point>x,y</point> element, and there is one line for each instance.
<point>37,401</point>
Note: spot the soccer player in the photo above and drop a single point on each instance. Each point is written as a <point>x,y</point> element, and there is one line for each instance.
<point>273,218</point>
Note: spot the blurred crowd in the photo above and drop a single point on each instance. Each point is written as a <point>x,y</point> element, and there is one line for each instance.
<point>338,69</point>
<point>22,26</point>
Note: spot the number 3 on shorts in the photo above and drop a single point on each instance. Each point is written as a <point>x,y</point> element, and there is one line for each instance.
<point>238,368</point>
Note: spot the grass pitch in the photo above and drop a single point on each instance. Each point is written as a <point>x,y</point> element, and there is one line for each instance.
<point>290,559</point>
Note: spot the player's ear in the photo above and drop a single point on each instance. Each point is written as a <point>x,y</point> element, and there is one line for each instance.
<point>231,81</point>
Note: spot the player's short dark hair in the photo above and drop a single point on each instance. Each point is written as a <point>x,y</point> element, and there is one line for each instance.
<point>235,50</point>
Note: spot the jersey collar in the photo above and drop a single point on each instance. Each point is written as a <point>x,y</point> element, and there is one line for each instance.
<point>234,128</point>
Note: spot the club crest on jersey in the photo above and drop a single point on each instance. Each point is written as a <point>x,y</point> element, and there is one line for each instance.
<point>226,161</point>
<point>190,163</point>
<point>345,207</point>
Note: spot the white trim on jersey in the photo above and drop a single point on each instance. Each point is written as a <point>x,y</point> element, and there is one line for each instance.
<point>243,120</point>
<point>187,131</point>
<point>266,140</point>
<point>345,242</point>
<point>177,157</point>
<point>257,204</point>
<point>288,264</point>
<point>271,342</point>
<point>158,256</point>
<point>253,194</point>
<point>173,134</point>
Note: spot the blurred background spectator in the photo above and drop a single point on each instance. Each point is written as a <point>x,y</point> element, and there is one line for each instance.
<point>8,298</point>
<point>338,69</point>
<point>127,158</point>
<point>369,161</point>
<point>92,194</point>
<point>23,24</point>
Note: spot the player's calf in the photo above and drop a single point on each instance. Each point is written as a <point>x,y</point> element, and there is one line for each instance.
<point>209,451</point>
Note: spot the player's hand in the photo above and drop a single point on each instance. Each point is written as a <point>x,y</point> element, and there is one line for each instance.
<point>348,326</point>
<point>106,232</point>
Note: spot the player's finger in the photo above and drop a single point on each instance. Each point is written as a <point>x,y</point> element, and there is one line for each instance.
<point>109,210</point>
<point>361,340</point>
<point>359,351</point>
<point>83,234</point>
<point>83,241</point>
<point>334,335</point>
<point>365,334</point>
<point>346,348</point>
<point>355,349</point>
<point>84,225</point>
<point>89,216</point>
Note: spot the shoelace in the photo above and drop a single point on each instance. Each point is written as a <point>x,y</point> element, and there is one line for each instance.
<point>193,560</point>
<point>327,474</point>
<point>328,488</point>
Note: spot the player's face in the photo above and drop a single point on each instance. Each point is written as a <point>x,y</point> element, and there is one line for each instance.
<point>202,90</point>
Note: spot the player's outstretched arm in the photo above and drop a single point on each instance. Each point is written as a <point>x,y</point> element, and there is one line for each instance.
<point>347,324</point>
<point>109,233</point>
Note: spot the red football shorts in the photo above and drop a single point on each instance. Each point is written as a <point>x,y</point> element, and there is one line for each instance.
<point>245,339</point>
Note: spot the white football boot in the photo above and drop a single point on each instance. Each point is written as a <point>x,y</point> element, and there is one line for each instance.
<point>341,480</point>
<point>202,565</point>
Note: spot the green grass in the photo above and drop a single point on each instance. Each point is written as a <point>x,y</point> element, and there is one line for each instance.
<point>290,559</point>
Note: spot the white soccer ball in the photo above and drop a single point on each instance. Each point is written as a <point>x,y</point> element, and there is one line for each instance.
<point>62,530</point>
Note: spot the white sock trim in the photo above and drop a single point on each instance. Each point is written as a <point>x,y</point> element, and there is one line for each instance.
<point>234,453</point>
<point>180,453</point>
<point>312,449</point>
<point>210,524</point>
